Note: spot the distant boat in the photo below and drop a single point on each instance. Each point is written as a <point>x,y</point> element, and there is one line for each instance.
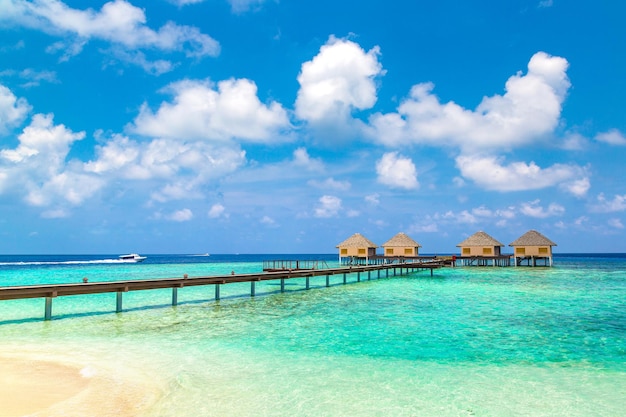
<point>132,257</point>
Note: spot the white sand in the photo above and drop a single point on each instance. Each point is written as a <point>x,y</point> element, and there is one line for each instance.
<point>46,388</point>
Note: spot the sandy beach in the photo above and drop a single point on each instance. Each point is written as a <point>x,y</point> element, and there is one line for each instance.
<point>46,388</point>
<point>27,387</point>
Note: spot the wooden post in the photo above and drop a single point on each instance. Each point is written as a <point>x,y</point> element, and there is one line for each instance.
<point>358,276</point>
<point>378,274</point>
<point>369,275</point>
<point>217,292</point>
<point>431,271</point>
<point>118,303</point>
<point>327,280</point>
<point>174,296</point>
<point>48,309</point>
<point>307,283</point>
<point>344,277</point>
<point>252,288</point>
<point>282,285</point>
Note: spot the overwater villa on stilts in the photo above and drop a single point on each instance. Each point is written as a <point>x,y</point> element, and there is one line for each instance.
<point>532,247</point>
<point>356,250</point>
<point>480,249</point>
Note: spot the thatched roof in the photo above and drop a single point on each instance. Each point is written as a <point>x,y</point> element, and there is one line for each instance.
<point>532,238</point>
<point>480,239</point>
<point>401,240</point>
<point>357,240</point>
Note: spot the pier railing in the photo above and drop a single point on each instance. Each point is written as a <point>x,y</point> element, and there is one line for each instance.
<point>286,265</point>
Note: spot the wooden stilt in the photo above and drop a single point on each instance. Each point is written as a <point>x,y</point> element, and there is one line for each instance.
<point>174,296</point>
<point>328,280</point>
<point>252,288</point>
<point>282,285</point>
<point>217,292</point>
<point>48,309</point>
<point>118,303</point>
<point>344,277</point>
<point>307,283</point>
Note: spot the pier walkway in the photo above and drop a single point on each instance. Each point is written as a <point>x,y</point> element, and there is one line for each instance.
<point>49,292</point>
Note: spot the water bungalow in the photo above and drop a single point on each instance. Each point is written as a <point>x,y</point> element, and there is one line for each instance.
<point>356,249</point>
<point>532,246</point>
<point>480,249</point>
<point>401,245</point>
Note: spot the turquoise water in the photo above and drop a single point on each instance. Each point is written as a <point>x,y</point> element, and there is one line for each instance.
<point>465,342</point>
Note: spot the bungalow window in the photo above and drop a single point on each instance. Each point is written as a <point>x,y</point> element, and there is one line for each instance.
<point>487,251</point>
<point>361,251</point>
<point>344,251</point>
<point>543,251</point>
<point>408,251</point>
<point>520,251</point>
<point>466,251</point>
<point>389,251</point>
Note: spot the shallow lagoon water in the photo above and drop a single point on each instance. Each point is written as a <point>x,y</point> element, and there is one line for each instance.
<point>467,341</point>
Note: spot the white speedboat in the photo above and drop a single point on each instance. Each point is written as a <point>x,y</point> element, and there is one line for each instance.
<point>132,257</point>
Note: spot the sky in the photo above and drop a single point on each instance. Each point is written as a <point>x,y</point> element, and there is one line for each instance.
<point>284,126</point>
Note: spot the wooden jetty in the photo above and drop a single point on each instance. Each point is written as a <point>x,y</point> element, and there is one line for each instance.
<point>51,291</point>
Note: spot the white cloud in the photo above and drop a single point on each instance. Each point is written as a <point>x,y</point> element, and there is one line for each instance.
<point>489,173</point>
<point>302,159</point>
<point>197,161</point>
<point>580,221</point>
<point>13,111</point>
<point>612,137</point>
<point>530,109</point>
<point>240,6</point>
<point>616,223</point>
<point>329,206</point>
<point>618,203</point>
<point>216,210</point>
<point>466,217</point>
<point>183,215</point>
<point>118,22</point>
<point>199,111</point>
<point>331,184</point>
<point>373,199</point>
<point>38,168</point>
<point>578,187</point>
<point>353,213</point>
<point>397,171</point>
<point>176,190</point>
<point>533,209</point>
<point>574,142</point>
<point>138,58</point>
<point>268,221</point>
<point>340,79</point>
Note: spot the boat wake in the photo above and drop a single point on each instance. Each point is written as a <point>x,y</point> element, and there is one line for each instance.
<point>86,262</point>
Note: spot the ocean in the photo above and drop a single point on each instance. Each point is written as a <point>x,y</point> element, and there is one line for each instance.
<point>473,341</point>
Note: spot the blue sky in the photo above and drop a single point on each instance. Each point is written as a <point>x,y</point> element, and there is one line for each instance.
<point>266,126</point>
